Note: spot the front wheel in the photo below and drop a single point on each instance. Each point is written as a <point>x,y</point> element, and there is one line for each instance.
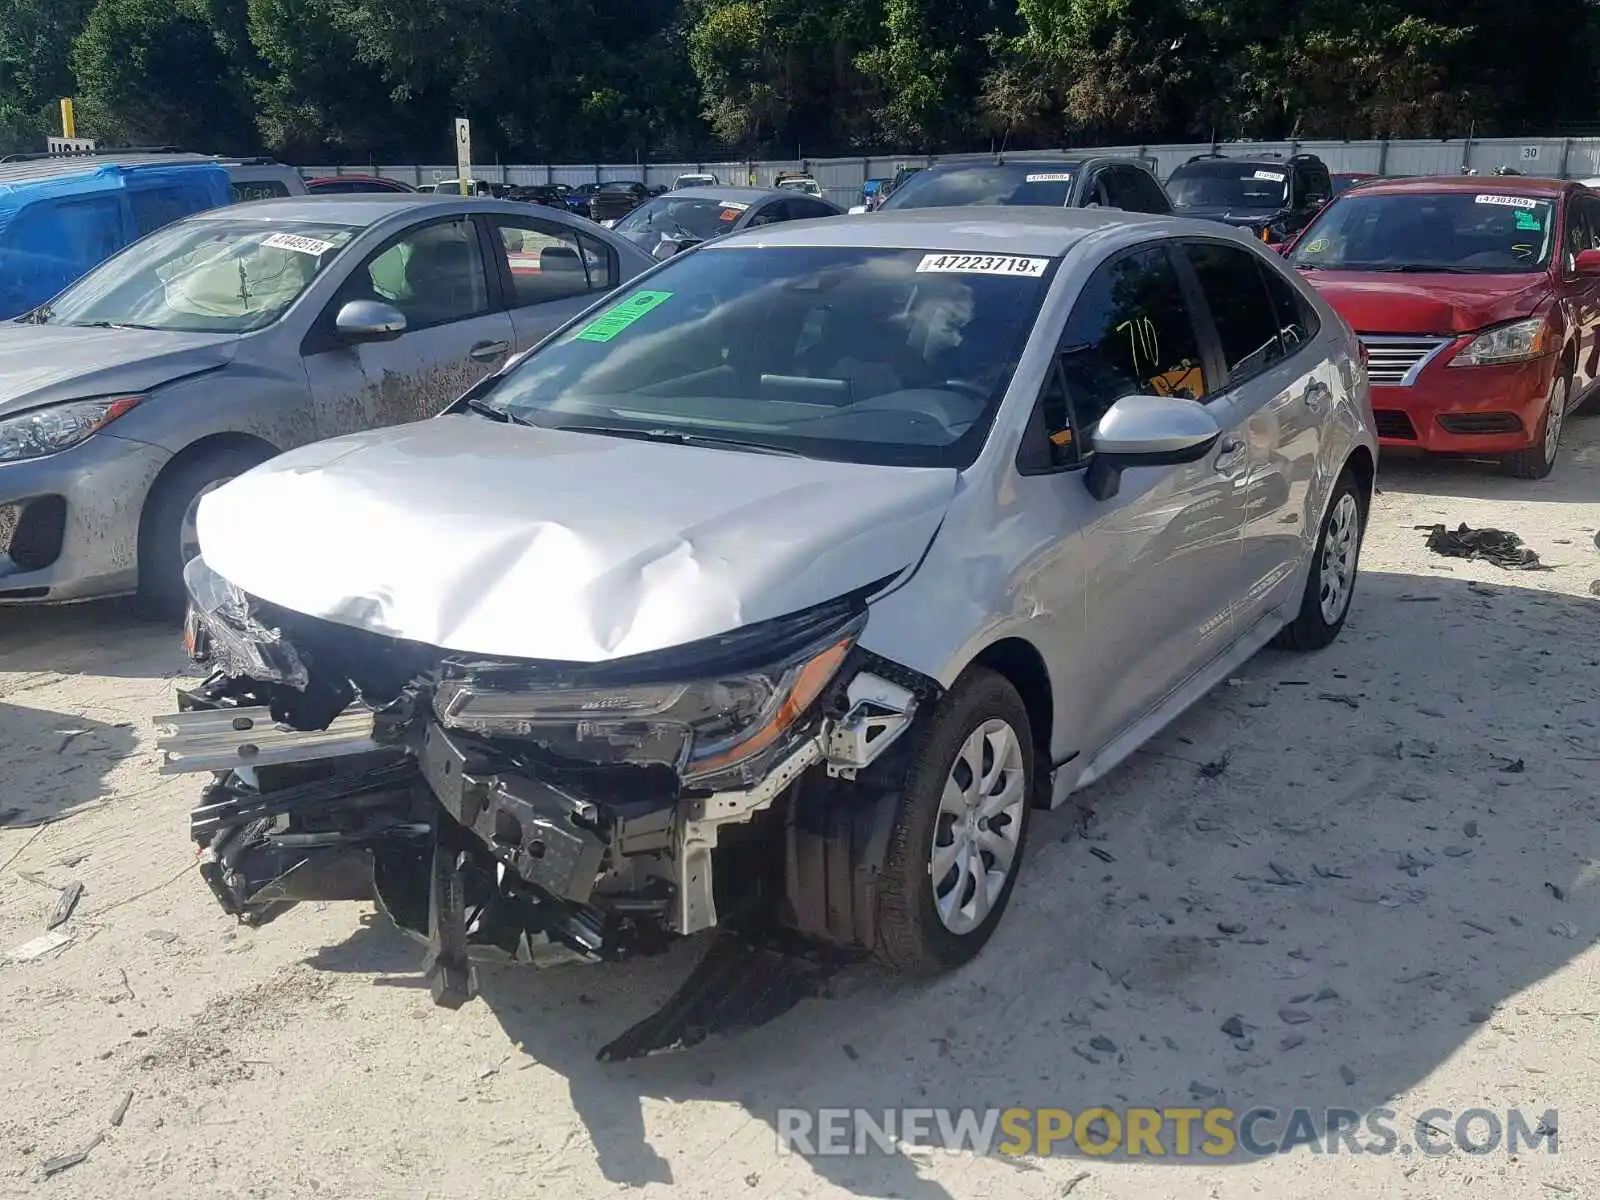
<point>959,833</point>
<point>1332,581</point>
<point>167,537</point>
<point>1539,459</point>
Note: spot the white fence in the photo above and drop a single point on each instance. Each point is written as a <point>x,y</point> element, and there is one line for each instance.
<point>841,178</point>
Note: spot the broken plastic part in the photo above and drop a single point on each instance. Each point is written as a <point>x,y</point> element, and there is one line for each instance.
<point>880,711</point>
<point>232,738</point>
<point>230,636</point>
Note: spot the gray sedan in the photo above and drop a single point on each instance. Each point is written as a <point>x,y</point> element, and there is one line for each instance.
<point>680,219</point>
<point>219,341</point>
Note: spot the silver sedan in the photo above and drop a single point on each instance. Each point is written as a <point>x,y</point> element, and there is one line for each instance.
<point>219,341</point>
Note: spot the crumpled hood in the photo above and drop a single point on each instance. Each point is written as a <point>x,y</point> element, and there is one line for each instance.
<point>1380,302</point>
<point>45,364</point>
<point>514,542</point>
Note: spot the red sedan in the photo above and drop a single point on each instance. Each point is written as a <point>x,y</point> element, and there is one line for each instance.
<point>1478,301</point>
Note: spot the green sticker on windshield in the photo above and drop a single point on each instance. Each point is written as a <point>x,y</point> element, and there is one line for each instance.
<point>618,317</point>
<point>1529,221</point>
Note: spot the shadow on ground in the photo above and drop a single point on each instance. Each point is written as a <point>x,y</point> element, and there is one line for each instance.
<point>55,762</point>
<point>1419,474</point>
<point>102,637</point>
<point>1388,846</point>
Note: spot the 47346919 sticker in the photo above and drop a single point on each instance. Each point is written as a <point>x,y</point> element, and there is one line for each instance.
<point>983,264</point>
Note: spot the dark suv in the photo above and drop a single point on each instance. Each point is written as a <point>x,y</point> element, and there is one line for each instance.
<point>1054,183</point>
<point>1272,196</point>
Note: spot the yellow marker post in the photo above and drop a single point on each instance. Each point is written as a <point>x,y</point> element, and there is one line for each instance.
<point>69,125</point>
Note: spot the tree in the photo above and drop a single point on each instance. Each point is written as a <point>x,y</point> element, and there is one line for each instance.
<point>35,67</point>
<point>153,72</point>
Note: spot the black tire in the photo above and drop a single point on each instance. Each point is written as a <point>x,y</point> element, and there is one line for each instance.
<point>911,936</point>
<point>1537,461</point>
<point>161,594</point>
<point>1311,629</point>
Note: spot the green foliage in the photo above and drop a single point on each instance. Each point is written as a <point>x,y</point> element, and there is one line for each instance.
<point>598,79</point>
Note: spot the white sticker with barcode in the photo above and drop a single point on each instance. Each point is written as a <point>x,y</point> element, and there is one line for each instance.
<point>735,205</point>
<point>1271,176</point>
<point>983,264</point>
<point>1050,177</point>
<point>1506,201</point>
<point>298,243</point>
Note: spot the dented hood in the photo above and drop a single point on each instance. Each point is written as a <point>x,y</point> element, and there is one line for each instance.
<point>44,364</point>
<point>1376,302</point>
<point>516,542</point>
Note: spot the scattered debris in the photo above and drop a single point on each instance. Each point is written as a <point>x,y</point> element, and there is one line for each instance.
<point>1103,1044</point>
<point>1291,1042</point>
<point>1293,1016</point>
<point>1555,891</point>
<point>1066,1188</point>
<point>850,1052</point>
<point>1479,1016</point>
<point>1085,1055</point>
<point>1419,599</point>
<point>1203,1091</point>
<point>1324,995</point>
<point>45,943</point>
<point>1470,829</point>
<point>1339,698</point>
<point>1102,855</point>
<point>1244,1044</point>
<point>1479,927</point>
<point>1346,1074</point>
<point>1328,872</point>
<point>1230,928</point>
<point>1168,1043</point>
<point>54,1166</point>
<point>1564,929</point>
<point>1412,865</point>
<point>1513,766</point>
<point>1214,768</point>
<point>1285,876</point>
<point>1497,546</point>
<point>1301,998</point>
<point>1457,851</point>
<point>165,936</point>
<point>1234,1027</point>
<point>68,736</point>
<point>121,1110</point>
<point>65,903</point>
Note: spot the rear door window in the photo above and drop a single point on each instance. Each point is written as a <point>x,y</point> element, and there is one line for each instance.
<point>1241,309</point>
<point>1297,319</point>
<point>545,261</point>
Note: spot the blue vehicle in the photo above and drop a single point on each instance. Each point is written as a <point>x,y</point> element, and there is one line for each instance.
<point>59,218</point>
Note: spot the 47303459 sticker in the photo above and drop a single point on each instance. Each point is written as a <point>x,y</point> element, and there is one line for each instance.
<point>983,264</point>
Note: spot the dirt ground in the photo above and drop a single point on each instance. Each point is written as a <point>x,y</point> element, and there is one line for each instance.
<point>1405,821</point>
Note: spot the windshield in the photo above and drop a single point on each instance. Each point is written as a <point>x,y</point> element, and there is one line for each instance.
<point>204,276</point>
<point>1462,231</point>
<point>894,357</point>
<point>1023,183</point>
<point>695,216</point>
<point>1228,185</point>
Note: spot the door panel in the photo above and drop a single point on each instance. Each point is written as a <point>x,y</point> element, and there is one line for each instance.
<point>1160,560</point>
<point>1583,292</point>
<point>437,276</point>
<point>1279,390</point>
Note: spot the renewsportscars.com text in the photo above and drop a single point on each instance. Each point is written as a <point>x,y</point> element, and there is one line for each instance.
<point>1164,1132</point>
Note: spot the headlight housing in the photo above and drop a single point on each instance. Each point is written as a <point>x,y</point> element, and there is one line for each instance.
<point>1517,341</point>
<point>42,431</point>
<point>718,724</point>
<point>235,640</point>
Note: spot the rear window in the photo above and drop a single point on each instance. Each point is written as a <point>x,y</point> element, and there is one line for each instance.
<point>1230,185</point>
<point>877,356</point>
<point>1455,232</point>
<point>260,189</point>
<point>1037,184</point>
<point>680,216</point>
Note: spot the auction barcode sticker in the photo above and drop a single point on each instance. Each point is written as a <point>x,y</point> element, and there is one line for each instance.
<point>1506,201</point>
<point>1271,176</point>
<point>1050,177</point>
<point>983,264</point>
<point>299,243</point>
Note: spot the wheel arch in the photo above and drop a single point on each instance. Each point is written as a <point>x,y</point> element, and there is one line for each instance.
<point>201,448</point>
<point>1019,662</point>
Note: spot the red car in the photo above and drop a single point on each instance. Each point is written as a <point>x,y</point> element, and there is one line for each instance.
<point>355,183</point>
<point>1478,301</point>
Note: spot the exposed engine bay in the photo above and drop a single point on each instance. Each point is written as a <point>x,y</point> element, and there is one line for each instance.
<point>540,811</point>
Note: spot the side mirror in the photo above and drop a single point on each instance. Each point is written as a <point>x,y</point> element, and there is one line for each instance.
<point>1588,262</point>
<point>1147,431</point>
<point>369,321</point>
<point>857,209</point>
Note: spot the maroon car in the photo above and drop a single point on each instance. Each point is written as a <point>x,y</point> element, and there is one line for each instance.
<point>355,183</point>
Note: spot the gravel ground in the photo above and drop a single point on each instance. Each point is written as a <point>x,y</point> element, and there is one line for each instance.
<point>1391,882</point>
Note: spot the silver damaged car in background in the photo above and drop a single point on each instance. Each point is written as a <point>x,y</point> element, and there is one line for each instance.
<point>773,595</point>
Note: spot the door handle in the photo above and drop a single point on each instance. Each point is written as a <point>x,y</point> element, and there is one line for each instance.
<point>1230,455</point>
<point>1317,395</point>
<point>484,351</point>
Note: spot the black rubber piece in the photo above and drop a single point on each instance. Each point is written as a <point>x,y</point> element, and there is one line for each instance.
<point>449,972</point>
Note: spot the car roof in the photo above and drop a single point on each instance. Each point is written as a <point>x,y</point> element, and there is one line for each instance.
<point>1513,185</point>
<point>43,166</point>
<point>970,230</point>
<point>356,178</point>
<point>741,194</point>
<point>988,163</point>
<point>363,208</point>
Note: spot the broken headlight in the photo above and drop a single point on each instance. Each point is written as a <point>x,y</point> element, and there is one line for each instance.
<point>717,728</point>
<point>235,640</point>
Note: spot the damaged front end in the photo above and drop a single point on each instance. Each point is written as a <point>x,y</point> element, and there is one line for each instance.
<point>532,811</point>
